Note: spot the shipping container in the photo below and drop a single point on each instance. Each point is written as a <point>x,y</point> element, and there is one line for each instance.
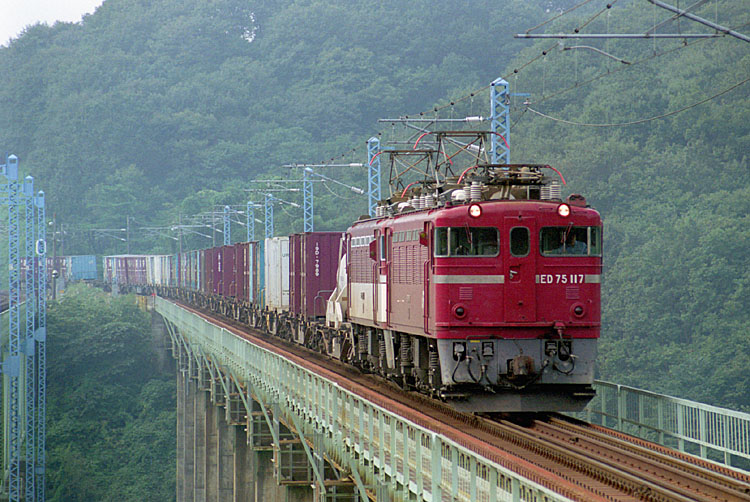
<point>313,271</point>
<point>59,263</point>
<point>255,269</point>
<point>276,265</point>
<point>213,270</point>
<point>228,273</point>
<point>296,267</point>
<point>80,268</point>
<point>126,269</point>
<point>242,270</point>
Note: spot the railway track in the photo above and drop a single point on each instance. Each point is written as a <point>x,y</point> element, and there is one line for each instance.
<point>580,461</point>
<point>637,468</point>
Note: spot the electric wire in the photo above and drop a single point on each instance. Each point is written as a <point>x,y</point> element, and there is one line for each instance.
<point>581,4</point>
<point>632,64</point>
<point>641,121</point>
<point>544,52</point>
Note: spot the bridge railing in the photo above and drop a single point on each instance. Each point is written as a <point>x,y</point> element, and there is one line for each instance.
<point>386,454</point>
<point>713,433</point>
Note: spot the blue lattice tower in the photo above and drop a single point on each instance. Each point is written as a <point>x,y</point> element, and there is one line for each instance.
<point>269,215</point>
<point>500,121</point>
<point>41,349</point>
<point>373,174</point>
<point>307,191</point>
<point>11,366</point>
<point>29,347</point>
<point>250,213</point>
<point>227,227</point>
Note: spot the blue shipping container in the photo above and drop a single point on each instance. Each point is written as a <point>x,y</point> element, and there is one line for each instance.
<point>81,268</point>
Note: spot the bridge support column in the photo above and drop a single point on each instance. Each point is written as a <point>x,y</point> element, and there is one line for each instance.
<point>188,441</point>
<point>212,453</point>
<point>181,436</point>
<point>225,457</point>
<point>185,431</point>
<point>244,467</point>
<point>199,440</point>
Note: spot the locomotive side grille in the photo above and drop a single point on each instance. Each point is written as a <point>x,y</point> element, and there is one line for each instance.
<point>465,293</point>
<point>572,293</point>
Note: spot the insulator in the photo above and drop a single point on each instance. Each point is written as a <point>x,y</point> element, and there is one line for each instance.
<point>430,201</point>
<point>405,351</point>
<point>467,192</point>
<point>544,193</point>
<point>414,202</point>
<point>423,202</point>
<point>476,191</point>
<point>555,190</point>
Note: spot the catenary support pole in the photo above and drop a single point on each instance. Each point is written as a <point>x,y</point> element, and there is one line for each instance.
<point>307,191</point>
<point>227,227</point>
<point>500,121</point>
<point>40,462</point>
<point>29,348</point>
<point>11,366</point>
<point>373,174</point>
<point>269,215</point>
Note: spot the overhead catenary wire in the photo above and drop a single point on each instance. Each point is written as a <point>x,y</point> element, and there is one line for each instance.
<point>544,52</point>
<point>641,121</point>
<point>561,14</point>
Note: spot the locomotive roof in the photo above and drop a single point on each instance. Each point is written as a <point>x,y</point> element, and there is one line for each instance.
<point>448,213</point>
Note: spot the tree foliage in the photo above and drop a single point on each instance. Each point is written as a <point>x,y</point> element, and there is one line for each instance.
<point>162,109</point>
<point>111,413</point>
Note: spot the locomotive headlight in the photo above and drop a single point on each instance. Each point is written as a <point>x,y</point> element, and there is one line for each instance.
<point>563,210</point>
<point>578,310</point>
<point>475,210</point>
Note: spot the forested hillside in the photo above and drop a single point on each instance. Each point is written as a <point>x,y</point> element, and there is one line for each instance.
<point>111,409</point>
<point>160,109</point>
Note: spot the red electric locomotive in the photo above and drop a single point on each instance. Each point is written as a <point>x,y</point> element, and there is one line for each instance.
<point>486,294</point>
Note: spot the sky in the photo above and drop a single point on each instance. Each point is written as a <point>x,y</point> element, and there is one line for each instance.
<point>15,15</point>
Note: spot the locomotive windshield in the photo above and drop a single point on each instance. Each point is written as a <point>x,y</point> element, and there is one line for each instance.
<point>571,241</point>
<point>466,241</point>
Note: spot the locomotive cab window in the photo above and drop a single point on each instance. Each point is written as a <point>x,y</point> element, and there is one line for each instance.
<point>519,241</point>
<point>571,241</point>
<point>466,241</point>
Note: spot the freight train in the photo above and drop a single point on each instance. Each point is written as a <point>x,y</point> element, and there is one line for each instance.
<point>68,268</point>
<point>484,293</point>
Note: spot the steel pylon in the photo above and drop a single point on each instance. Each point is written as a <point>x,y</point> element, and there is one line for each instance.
<point>500,121</point>
<point>373,174</point>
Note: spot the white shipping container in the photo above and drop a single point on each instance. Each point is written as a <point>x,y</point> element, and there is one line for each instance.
<point>276,267</point>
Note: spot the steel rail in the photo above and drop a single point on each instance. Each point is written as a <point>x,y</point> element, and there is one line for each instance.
<point>620,460</point>
<point>733,482</point>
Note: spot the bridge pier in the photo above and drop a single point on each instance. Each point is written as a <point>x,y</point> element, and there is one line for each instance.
<point>244,467</point>
<point>198,487</point>
<point>224,452</point>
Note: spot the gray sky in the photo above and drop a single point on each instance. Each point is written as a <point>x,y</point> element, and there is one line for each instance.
<point>15,15</point>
